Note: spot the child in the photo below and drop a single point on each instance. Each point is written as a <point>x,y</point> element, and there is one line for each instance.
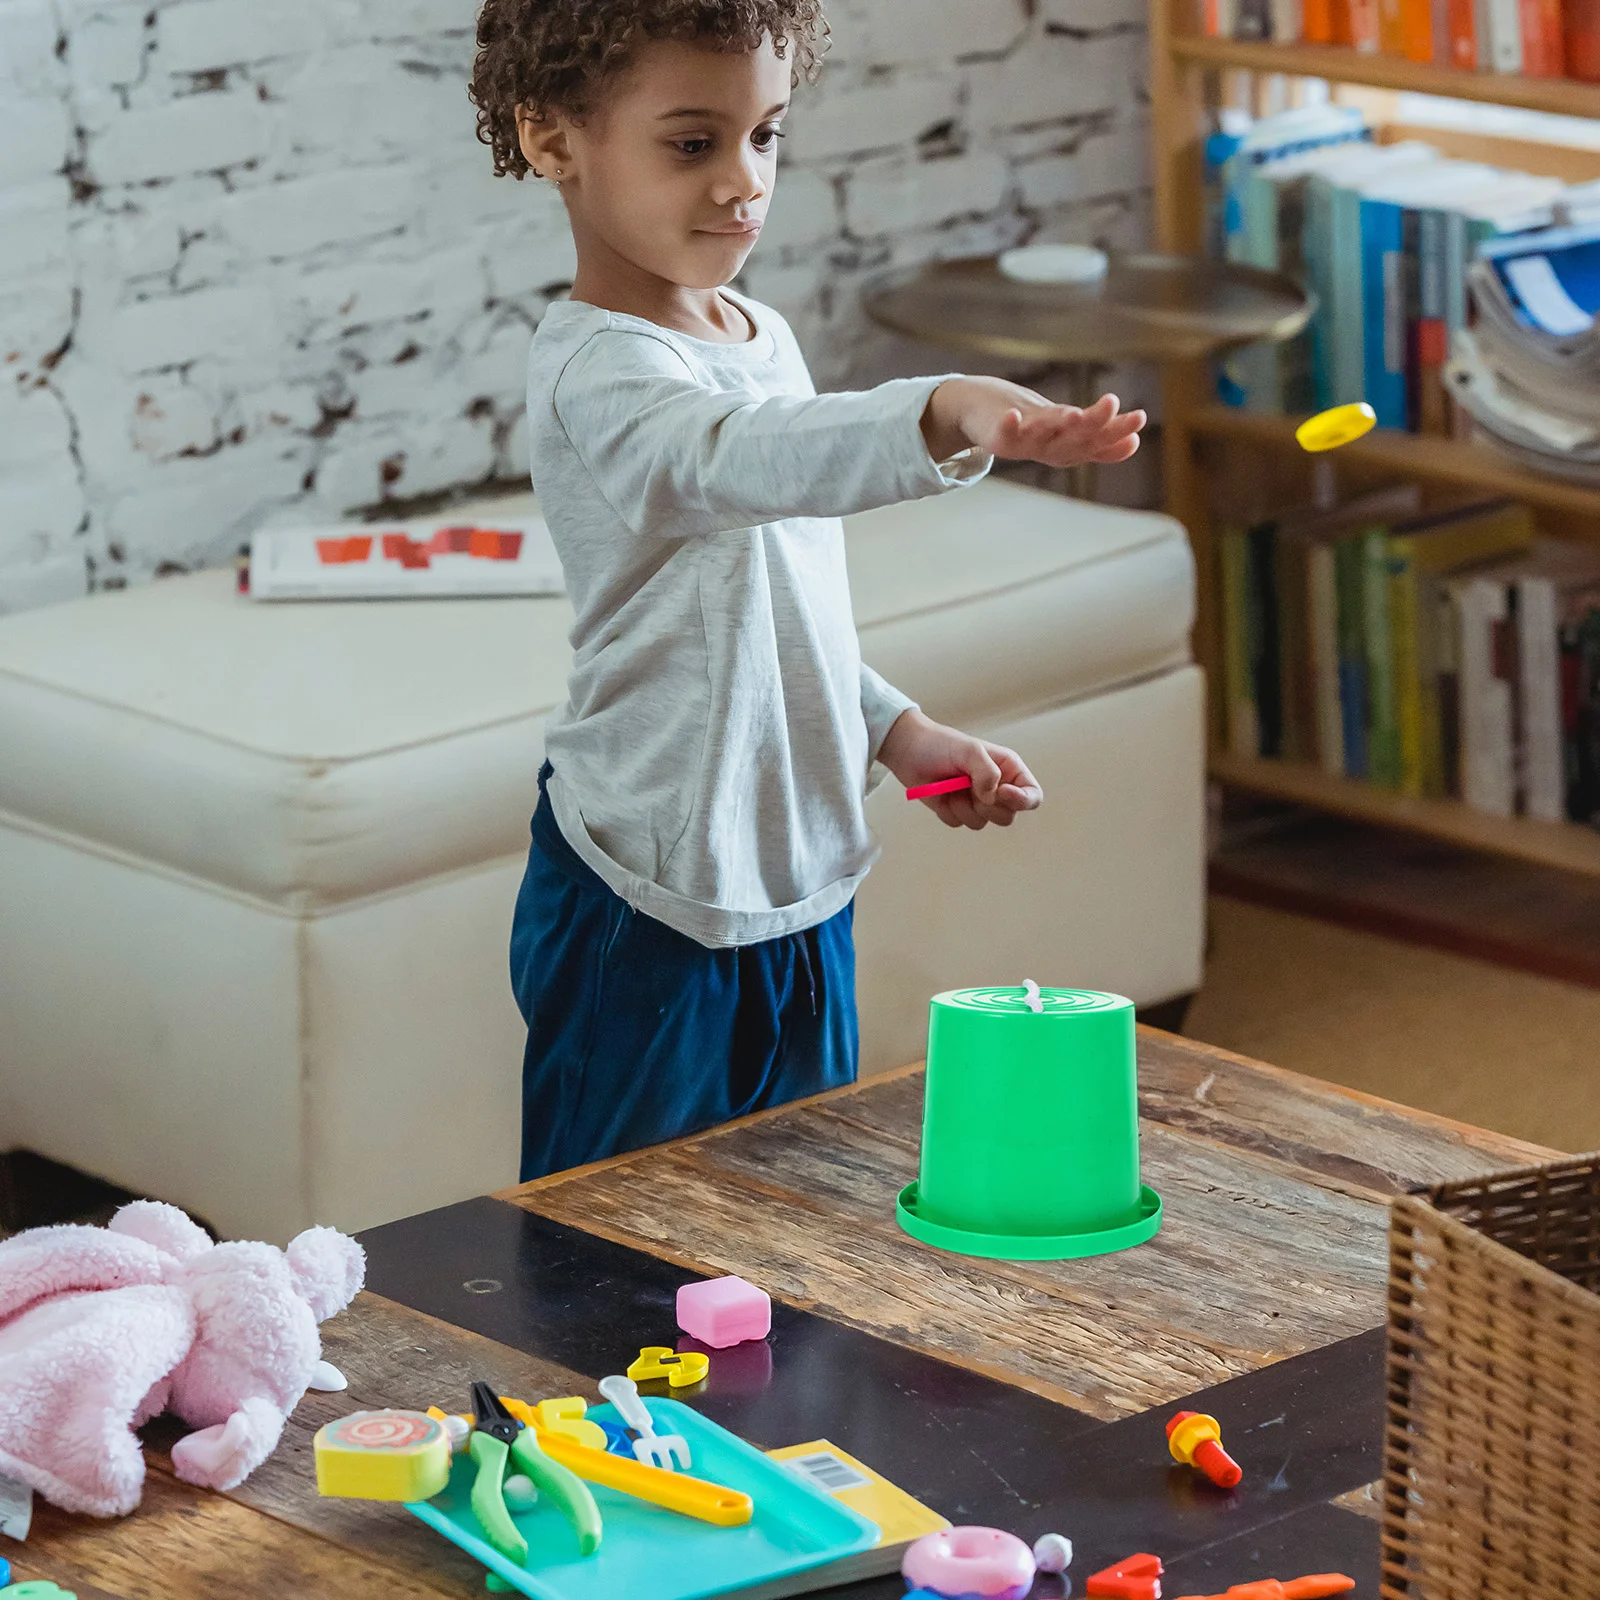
<point>681,947</point>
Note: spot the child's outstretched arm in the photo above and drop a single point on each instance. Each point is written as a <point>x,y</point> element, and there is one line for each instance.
<point>1006,420</point>
<point>677,459</point>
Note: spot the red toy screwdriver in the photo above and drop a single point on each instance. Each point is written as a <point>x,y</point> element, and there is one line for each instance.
<point>1317,1587</point>
<point>926,791</point>
<point>1196,1440</point>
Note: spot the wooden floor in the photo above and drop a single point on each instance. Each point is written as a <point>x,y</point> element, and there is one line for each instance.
<point>1513,913</point>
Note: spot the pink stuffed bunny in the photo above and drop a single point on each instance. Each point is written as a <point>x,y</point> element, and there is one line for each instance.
<point>103,1328</point>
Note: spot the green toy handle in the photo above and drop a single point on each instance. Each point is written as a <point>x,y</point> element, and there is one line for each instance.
<point>565,1488</point>
<point>489,1499</point>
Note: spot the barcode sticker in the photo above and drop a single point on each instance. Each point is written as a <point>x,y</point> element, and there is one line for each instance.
<point>828,1472</point>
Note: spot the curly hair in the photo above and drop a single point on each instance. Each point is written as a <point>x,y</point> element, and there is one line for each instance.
<point>555,54</point>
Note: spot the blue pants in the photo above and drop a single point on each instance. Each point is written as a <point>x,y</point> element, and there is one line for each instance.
<point>637,1034</point>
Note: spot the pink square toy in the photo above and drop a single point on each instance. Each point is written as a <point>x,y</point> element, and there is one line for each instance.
<point>724,1311</point>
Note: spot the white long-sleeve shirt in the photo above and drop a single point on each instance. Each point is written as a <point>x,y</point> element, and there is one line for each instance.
<point>712,758</point>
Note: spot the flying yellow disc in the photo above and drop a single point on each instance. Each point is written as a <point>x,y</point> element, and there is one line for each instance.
<point>1330,429</point>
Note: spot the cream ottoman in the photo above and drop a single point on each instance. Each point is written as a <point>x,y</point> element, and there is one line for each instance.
<point>257,862</point>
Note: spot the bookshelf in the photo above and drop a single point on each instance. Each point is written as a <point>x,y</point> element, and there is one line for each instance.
<point>1186,71</point>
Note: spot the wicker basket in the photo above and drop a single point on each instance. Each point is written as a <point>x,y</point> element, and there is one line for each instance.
<point>1492,1449</point>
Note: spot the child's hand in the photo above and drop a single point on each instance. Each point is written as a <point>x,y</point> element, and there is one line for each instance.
<point>919,750</point>
<point>1015,423</point>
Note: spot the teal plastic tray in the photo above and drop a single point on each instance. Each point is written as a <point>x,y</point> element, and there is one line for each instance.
<point>650,1552</point>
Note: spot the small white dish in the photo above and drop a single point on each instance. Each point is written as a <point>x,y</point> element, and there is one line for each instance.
<point>1054,263</point>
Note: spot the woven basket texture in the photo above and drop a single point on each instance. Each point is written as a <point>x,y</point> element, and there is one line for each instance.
<point>1492,1444</point>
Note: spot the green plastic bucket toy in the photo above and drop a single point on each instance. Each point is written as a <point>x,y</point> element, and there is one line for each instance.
<point>1030,1129</point>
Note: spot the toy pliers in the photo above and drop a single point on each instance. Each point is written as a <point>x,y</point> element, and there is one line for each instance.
<point>497,1437</point>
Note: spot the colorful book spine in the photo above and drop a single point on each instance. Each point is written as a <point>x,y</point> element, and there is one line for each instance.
<point>1583,784</point>
<point>1582,31</point>
<point>1447,646</point>
<point>1391,28</point>
<point>1416,30</point>
<point>1432,335</point>
<point>1323,618</point>
<point>1383,734</point>
<point>1431,658</point>
<point>1505,36</point>
<point>1487,782</point>
<point>1405,636</point>
<point>1463,34</point>
<point>1349,566</point>
<point>1440,10</point>
<point>1365,33</point>
<point>1539,682</point>
<point>1383,311</point>
<point>1544,52</point>
<point>1316,22</point>
<point>1296,692</point>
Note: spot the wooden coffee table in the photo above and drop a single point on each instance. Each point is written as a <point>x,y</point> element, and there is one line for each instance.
<point>1027,1395</point>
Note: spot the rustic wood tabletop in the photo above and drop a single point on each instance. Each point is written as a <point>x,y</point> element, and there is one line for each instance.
<point>1029,1394</point>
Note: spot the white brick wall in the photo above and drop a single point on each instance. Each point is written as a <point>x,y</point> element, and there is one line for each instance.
<point>254,266</point>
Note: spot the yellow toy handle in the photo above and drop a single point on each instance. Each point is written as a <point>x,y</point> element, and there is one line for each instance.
<point>672,1491</point>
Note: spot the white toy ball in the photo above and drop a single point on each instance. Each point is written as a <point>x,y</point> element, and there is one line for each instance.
<point>1052,1553</point>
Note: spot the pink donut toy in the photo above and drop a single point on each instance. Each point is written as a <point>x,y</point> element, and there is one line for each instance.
<point>970,1561</point>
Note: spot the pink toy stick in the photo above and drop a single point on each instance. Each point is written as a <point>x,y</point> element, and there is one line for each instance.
<point>926,791</point>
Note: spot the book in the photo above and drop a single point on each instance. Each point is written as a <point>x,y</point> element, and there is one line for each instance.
<point>1426,547</point>
<point>1349,561</point>
<point>403,561</point>
<point>1463,35</point>
<point>1383,732</point>
<point>1382,311</point>
<point>1323,616</point>
<point>1331,247</point>
<point>1544,53</point>
<point>900,1519</point>
<point>1416,30</point>
<point>1391,27</point>
<point>1582,34</point>
<point>1296,691</point>
<point>1505,37</point>
<point>1581,705</point>
<point>1363,24</point>
<point>1309,635</point>
<point>1488,781</point>
<point>1547,586</point>
<point>1316,21</point>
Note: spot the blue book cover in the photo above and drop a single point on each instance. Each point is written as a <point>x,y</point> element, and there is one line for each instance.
<point>1383,331</point>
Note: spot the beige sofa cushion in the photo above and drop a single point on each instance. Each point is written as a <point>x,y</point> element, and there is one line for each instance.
<point>313,754</point>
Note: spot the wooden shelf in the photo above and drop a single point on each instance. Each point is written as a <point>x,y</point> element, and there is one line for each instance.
<point>1564,96</point>
<point>1553,844</point>
<point>1474,465</point>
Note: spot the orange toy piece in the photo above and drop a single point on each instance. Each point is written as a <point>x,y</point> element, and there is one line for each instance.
<point>1317,1587</point>
<point>1132,1578</point>
<point>1196,1440</point>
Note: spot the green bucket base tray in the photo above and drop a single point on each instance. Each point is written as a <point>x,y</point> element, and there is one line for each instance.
<point>1031,1246</point>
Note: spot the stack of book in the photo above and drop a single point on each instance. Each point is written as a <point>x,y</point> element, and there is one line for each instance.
<point>1385,235</point>
<point>1441,654</point>
<point>1528,370</point>
<point>1531,38</point>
